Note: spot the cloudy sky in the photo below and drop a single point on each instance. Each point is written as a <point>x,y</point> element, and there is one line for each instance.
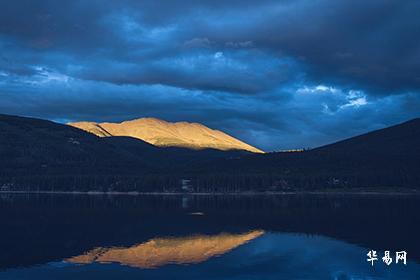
<point>277,74</point>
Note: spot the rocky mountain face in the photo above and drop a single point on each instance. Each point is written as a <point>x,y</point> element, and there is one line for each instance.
<point>38,154</point>
<point>165,134</point>
<point>42,155</point>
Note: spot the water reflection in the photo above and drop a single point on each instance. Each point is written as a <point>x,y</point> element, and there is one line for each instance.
<point>162,251</point>
<point>303,235</point>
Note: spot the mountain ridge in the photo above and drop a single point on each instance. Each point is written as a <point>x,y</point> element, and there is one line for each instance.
<point>168,134</point>
<point>42,155</point>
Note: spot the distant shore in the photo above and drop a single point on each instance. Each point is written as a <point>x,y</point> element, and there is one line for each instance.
<point>318,192</point>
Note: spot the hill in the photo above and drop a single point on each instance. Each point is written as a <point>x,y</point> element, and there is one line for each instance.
<point>165,134</point>
<point>42,155</point>
<point>398,140</point>
<point>387,157</point>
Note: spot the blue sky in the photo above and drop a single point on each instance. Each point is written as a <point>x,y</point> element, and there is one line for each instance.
<point>277,74</point>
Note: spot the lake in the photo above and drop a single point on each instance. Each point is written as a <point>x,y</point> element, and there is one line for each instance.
<point>295,236</point>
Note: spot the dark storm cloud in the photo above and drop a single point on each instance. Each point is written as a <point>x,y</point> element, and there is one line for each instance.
<point>278,74</point>
<point>368,43</point>
<point>240,72</point>
<point>371,43</point>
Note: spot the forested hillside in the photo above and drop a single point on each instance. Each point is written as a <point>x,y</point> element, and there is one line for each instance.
<point>43,155</point>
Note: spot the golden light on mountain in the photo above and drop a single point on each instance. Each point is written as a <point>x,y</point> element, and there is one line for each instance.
<point>161,251</point>
<point>165,134</point>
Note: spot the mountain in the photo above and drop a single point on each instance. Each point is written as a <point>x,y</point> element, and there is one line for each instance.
<point>39,154</point>
<point>387,157</point>
<point>165,134</point>
<point>401,140</point>
<point>42,155</point>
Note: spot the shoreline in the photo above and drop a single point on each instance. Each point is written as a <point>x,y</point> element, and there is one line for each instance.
<point>134,193</point>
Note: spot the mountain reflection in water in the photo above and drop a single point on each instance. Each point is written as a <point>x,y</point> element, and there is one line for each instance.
<point>293,236</point>
<point>161,251</point>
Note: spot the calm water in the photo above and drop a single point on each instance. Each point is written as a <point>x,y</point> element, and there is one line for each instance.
<point>207,237</point>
